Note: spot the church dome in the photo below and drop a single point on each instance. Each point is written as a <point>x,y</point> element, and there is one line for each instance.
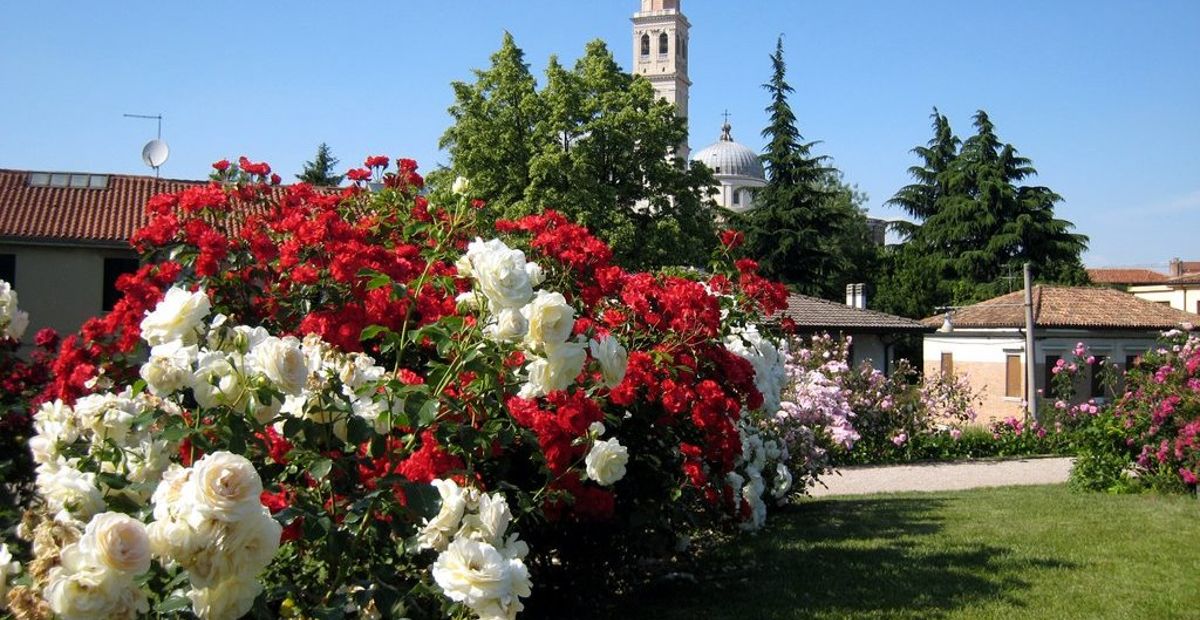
<point>729,158</point>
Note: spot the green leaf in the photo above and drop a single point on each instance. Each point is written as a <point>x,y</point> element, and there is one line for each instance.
<point>428,413</point>
<point>113,481</point>
<point>320,469</point>
<point>173,604</point>
<point>371,331</point>
<point>175,433</point>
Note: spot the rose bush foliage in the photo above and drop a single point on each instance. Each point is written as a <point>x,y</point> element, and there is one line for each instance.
<point>352,402</point>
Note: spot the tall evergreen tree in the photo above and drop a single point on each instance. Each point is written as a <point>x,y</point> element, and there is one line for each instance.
<point>319,171</point>
<point>979,224</point>
<point>598,146</point>
<point>799,230</point>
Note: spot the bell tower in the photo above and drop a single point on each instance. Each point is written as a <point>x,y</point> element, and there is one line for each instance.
<point>660,53</point>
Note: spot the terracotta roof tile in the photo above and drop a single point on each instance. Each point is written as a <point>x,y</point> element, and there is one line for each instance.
<point>102,215</point>
<point>1187,278</point>
<point>1118,275</point>
<point>812,313</point>
<point>1069,306</point>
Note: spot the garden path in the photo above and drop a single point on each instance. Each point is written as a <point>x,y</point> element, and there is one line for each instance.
<point>953,476</point>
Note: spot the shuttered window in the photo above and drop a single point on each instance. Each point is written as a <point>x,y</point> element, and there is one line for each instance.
<point>1012,376</point>
<point>948,365</point>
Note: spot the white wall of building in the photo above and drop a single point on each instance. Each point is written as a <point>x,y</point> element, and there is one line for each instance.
<point>1180,297</point>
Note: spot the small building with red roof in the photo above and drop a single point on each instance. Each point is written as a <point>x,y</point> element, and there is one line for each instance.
<point>984,343</point>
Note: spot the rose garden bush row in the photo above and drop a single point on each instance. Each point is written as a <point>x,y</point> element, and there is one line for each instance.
<point>322,404</point>
<point>368,404</point>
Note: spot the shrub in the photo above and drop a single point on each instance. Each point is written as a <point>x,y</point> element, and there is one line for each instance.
<point>308,402</point>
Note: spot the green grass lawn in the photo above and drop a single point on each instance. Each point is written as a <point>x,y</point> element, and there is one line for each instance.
<point>1016,552</point>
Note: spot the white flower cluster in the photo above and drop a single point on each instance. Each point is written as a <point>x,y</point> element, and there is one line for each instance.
<point>97,426</point>
<point>95,575</point>
<point>209,520</point>
<point>540,322</point>
<point>768,359</point>
<point>13,321</point>
<point>477,565</point>
<point>227,366</point>
<point>8,568</point>
<point>763,464</point>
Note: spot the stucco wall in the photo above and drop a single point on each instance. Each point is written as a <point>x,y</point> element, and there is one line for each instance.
<point>1179,297</point>
<point>60,287</point>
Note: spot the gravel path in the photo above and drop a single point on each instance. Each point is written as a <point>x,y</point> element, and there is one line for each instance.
<point>944,476</point>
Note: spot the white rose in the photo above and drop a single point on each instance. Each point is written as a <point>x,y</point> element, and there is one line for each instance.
<point>554,372</point>
<point>435,534</point>
<point>91,594</point>
<point>13,320</point>
<point>108,416</point>
<point>605,462</point>
<point>8,568</point>
<point>613,359</point>
<point>783,481</point>
<point>118,542</point>
<point>460,186</point>
<point>550,320</point>
<point>283,363</point>
<point>536,274</point>
<point>500,272</point>
<point>169,367</point>
<point>357,370</point>
<point>224,486</point>
<point>477,574</point>
<point>228,599</point>
<point>246,338</point>
<point>70,493</point>
<point>490,523</point>
<point>216,381</point>
<point>248,546</point>
<point>507,325</point>
<point>177,316</point>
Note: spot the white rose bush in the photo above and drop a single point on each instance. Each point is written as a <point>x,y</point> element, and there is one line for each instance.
<point>361,403</point>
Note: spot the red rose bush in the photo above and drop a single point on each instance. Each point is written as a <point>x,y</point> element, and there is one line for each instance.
<point>341,402</point>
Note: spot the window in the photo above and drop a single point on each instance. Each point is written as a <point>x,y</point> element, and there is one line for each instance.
<point>1132,361</point>
<point>113,269</point>
<point>663,44</point>
<point>1097,384</point>
<point>1163,303</point>
<point>8,269</point>
<point>948,365</point>
<point>1048,379</point>
<point>65,179</point>
<point>1012,376</point>
<point>645,45</point>
<point>737,197</point>
<point>1198,306</point>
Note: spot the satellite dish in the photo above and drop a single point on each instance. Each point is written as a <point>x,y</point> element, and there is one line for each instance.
<point>155,153</point>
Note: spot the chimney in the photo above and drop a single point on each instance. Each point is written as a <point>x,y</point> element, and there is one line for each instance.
<point>1176,268</point>
<point>856,296</point>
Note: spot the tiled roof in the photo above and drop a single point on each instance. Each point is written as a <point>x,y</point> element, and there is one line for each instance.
<point>812,313</point>
<point>1069,306</point>
<point>1187,278</point>
<point>1119,275</point>
<point>107,215</point>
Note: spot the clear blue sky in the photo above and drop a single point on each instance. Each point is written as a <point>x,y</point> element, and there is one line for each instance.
<point>1104,96</point>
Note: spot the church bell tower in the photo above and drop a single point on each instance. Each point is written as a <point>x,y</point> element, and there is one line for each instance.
<point>660,53</point>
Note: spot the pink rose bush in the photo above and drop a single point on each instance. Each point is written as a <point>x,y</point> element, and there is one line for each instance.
<point>339,402</point>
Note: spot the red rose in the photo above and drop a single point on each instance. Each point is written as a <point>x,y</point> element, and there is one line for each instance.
<point>221,166</point>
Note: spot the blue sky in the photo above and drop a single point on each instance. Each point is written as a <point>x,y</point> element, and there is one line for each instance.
<point>1104,96</point>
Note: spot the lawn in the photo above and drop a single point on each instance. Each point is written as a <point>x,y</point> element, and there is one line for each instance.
<point>1016,552</point>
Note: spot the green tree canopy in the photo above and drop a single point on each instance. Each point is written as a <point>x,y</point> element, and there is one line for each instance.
<point>977,224</point>
<point>320,171</point>
<point>595,144</point>
<point>807,228</point>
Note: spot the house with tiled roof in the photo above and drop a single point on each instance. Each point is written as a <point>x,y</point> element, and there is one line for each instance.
<point>1179,289</point>
<point>873,334</point>
<point>64,239</point>
<point>985,342</point>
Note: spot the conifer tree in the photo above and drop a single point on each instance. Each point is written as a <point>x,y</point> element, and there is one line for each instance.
<point>320,171</point>
<point>799,231</point>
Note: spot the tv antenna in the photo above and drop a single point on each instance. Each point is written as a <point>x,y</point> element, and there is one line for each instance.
<point>156,151</point>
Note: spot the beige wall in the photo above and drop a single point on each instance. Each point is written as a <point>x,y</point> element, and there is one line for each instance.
<point>59,287</point>
<point>988,379</point>
<point>1180,297</point>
